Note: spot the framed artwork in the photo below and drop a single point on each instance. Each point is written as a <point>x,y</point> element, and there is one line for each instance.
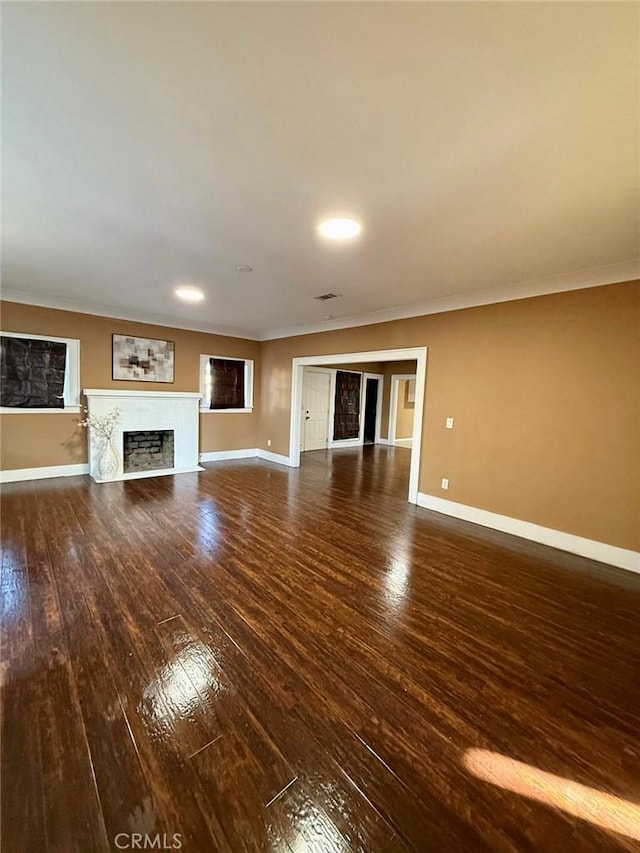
<point>142,359</point>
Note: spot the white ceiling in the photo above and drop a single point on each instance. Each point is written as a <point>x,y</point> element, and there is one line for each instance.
<point>490,150</point>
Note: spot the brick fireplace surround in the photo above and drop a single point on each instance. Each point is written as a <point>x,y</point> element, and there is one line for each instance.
<point>147,450</point>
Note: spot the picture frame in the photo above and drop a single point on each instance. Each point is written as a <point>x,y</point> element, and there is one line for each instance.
<point>137,359</point>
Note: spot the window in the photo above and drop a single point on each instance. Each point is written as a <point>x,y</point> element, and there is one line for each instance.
<point>226,384</point>
<point>39,374</point>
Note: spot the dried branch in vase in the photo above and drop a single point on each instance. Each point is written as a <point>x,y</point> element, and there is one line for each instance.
<point>104,424</point>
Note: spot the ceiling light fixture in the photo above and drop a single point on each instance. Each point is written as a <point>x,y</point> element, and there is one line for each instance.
<point>328,317</point>
<point>188,293</point>
<point>244,268</point>
<point>340,229</point>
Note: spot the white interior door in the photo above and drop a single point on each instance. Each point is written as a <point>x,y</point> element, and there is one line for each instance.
<point>315,412</point>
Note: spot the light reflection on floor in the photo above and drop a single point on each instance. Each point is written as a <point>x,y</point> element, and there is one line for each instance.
<point>183,682</point>
<point>14,593</point>
<point>314,830</point>
<point>397,577</point>
<point>597,807</point>
<point>208,530</point>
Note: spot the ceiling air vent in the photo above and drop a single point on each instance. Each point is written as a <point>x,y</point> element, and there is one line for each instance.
<point>324,296</point>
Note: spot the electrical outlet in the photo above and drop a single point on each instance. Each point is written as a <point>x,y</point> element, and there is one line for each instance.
<point>449,423</point>
<point>445,483</point>
<point>268,442</point>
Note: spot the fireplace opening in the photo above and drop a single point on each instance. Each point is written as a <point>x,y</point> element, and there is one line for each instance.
<point>147,450</point>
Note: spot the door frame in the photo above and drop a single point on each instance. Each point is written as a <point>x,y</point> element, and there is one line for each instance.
<point>328,373</point>
<point>408,354</point>
<point>396,379</point>
<point>379,401</point>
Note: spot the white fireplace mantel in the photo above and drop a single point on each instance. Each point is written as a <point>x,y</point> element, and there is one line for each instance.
<point>105,392</point>
<point>147,410</point>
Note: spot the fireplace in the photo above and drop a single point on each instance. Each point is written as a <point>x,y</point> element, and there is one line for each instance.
<point>147,450</point>
<point>156,433</point>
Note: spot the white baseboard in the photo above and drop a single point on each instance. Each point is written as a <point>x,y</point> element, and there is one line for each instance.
<point>343,442</point>
<point>221,455</point>
<point>273,457</point>
<point>404,442</point>
<point>19,474</point>
<point>603,553</point>
<point>246,453</point>
<point>383,441</point>
<point>154,472</point>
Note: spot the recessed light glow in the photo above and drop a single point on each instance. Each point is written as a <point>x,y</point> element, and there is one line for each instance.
<point>328,317</point>
<point>340,229</point>
<point>188,293</point>
<point>244,268</point>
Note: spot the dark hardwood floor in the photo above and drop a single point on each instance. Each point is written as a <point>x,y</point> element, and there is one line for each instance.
<point>258,658</point>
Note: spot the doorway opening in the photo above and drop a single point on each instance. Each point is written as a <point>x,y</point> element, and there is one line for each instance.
<point>402,409</point>
<point>360,400</point>
<point>371,403</point>
<point>341,406</point>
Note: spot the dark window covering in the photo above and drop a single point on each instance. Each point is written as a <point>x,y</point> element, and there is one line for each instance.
<point>227,383</point>
<point>346,420</point>
<point>32,373</point>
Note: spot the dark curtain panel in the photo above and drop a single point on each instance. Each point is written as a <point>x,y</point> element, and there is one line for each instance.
<point>346,420</point>
<point>32,373</point>
<point>227,383</point>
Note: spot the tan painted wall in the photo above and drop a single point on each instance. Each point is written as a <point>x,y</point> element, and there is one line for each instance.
<point>40,439</point>
<point>365,367</point>
<point>546,401</point>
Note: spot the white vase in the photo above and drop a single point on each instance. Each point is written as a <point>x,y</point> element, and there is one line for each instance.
<point>109,462</point>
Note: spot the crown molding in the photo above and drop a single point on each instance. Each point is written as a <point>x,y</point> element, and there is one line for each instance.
<point>579,280</point>
<point>98,310</point>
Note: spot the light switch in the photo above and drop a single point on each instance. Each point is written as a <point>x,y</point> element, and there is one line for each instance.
<point>449,423</point>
